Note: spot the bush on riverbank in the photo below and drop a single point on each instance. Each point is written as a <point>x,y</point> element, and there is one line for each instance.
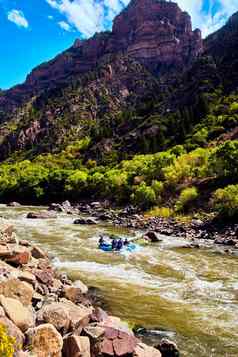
<point>225,201</point>
<point>186,198</point>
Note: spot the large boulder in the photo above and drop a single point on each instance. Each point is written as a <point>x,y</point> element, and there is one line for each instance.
<point>19,256</point>
<point>20,315</point>
<point>55,314</point>
<point>74,293</point>
<point>143,350</point>
<point>76,346</point>
<point>117,343</point>
<point>45,341</point>
<point>65,315</point>
<point>16,289</point>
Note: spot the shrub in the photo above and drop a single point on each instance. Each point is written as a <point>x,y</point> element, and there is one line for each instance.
<point>225,201</point>
<point>186,198</point>
<point>158,187</point>
<point>116,185</point>
<point>224,160</point>
<point>234,107</point>
<point>188,166</point>
<point>144,196</point>
<point>6,343</point>
<point>77,182</point>
<point>164,212</point>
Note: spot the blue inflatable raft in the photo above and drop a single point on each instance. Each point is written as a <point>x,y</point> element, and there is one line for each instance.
<point>107,247</point>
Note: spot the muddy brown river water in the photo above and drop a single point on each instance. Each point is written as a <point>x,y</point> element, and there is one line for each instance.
<point>191,293</point>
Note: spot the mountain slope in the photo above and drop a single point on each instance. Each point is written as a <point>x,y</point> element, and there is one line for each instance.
<point>138,89</point>
<point>155,33</point>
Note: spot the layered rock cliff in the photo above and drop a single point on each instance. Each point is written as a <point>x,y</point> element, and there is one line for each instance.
<point>158,34</point>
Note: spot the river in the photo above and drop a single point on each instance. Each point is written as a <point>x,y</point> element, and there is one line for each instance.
<point>190,293</point>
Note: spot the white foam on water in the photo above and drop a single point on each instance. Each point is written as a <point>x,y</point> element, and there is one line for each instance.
<point>122,272</point>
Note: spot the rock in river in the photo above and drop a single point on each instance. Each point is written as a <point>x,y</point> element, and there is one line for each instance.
<point>88,221</point>
<point>41,215</point>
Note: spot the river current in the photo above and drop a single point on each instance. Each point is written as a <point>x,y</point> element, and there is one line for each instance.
<point>191,294</point>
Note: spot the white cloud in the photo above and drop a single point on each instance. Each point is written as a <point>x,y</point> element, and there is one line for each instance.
<point>65,26</point>
<point>50,17</point>
<point>90,16</point>
<point>85,15</point>
<point>18,18</point>
<point>207,21</point>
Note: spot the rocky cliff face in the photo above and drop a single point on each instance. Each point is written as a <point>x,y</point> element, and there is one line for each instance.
<point>155,33</point>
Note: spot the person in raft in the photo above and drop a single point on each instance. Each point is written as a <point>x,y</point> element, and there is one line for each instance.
<point>119,244</point>
<point>114,243</point>
<point>101,240</point>
<point>126,242</point>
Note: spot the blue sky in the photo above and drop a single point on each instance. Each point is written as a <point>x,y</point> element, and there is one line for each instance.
<point>34,31</point>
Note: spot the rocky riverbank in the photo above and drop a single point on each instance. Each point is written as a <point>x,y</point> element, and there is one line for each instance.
<point>220,232</point>
<point>50,316</point>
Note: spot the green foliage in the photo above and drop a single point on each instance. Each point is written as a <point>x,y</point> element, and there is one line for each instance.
<point>6,343</point>
<point>224,160</point>
<point>76,183</point>
<point>187,167</point>
<point>234,107</point>
<point>186,199</point>
<point>225,201</point>
<point>164,212</point>
<point>144,196</point>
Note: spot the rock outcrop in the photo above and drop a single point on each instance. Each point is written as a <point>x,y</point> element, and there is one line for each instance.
<point>156,33</point>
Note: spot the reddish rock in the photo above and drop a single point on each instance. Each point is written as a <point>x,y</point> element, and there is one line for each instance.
<point>76,346</point>
<point>38,253</point>
<point>117,343</point>
<point>107,347</point>
<point>124,346</point>
<point>20,256</point>
<point>156,33</point>
<point>44,277</point>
